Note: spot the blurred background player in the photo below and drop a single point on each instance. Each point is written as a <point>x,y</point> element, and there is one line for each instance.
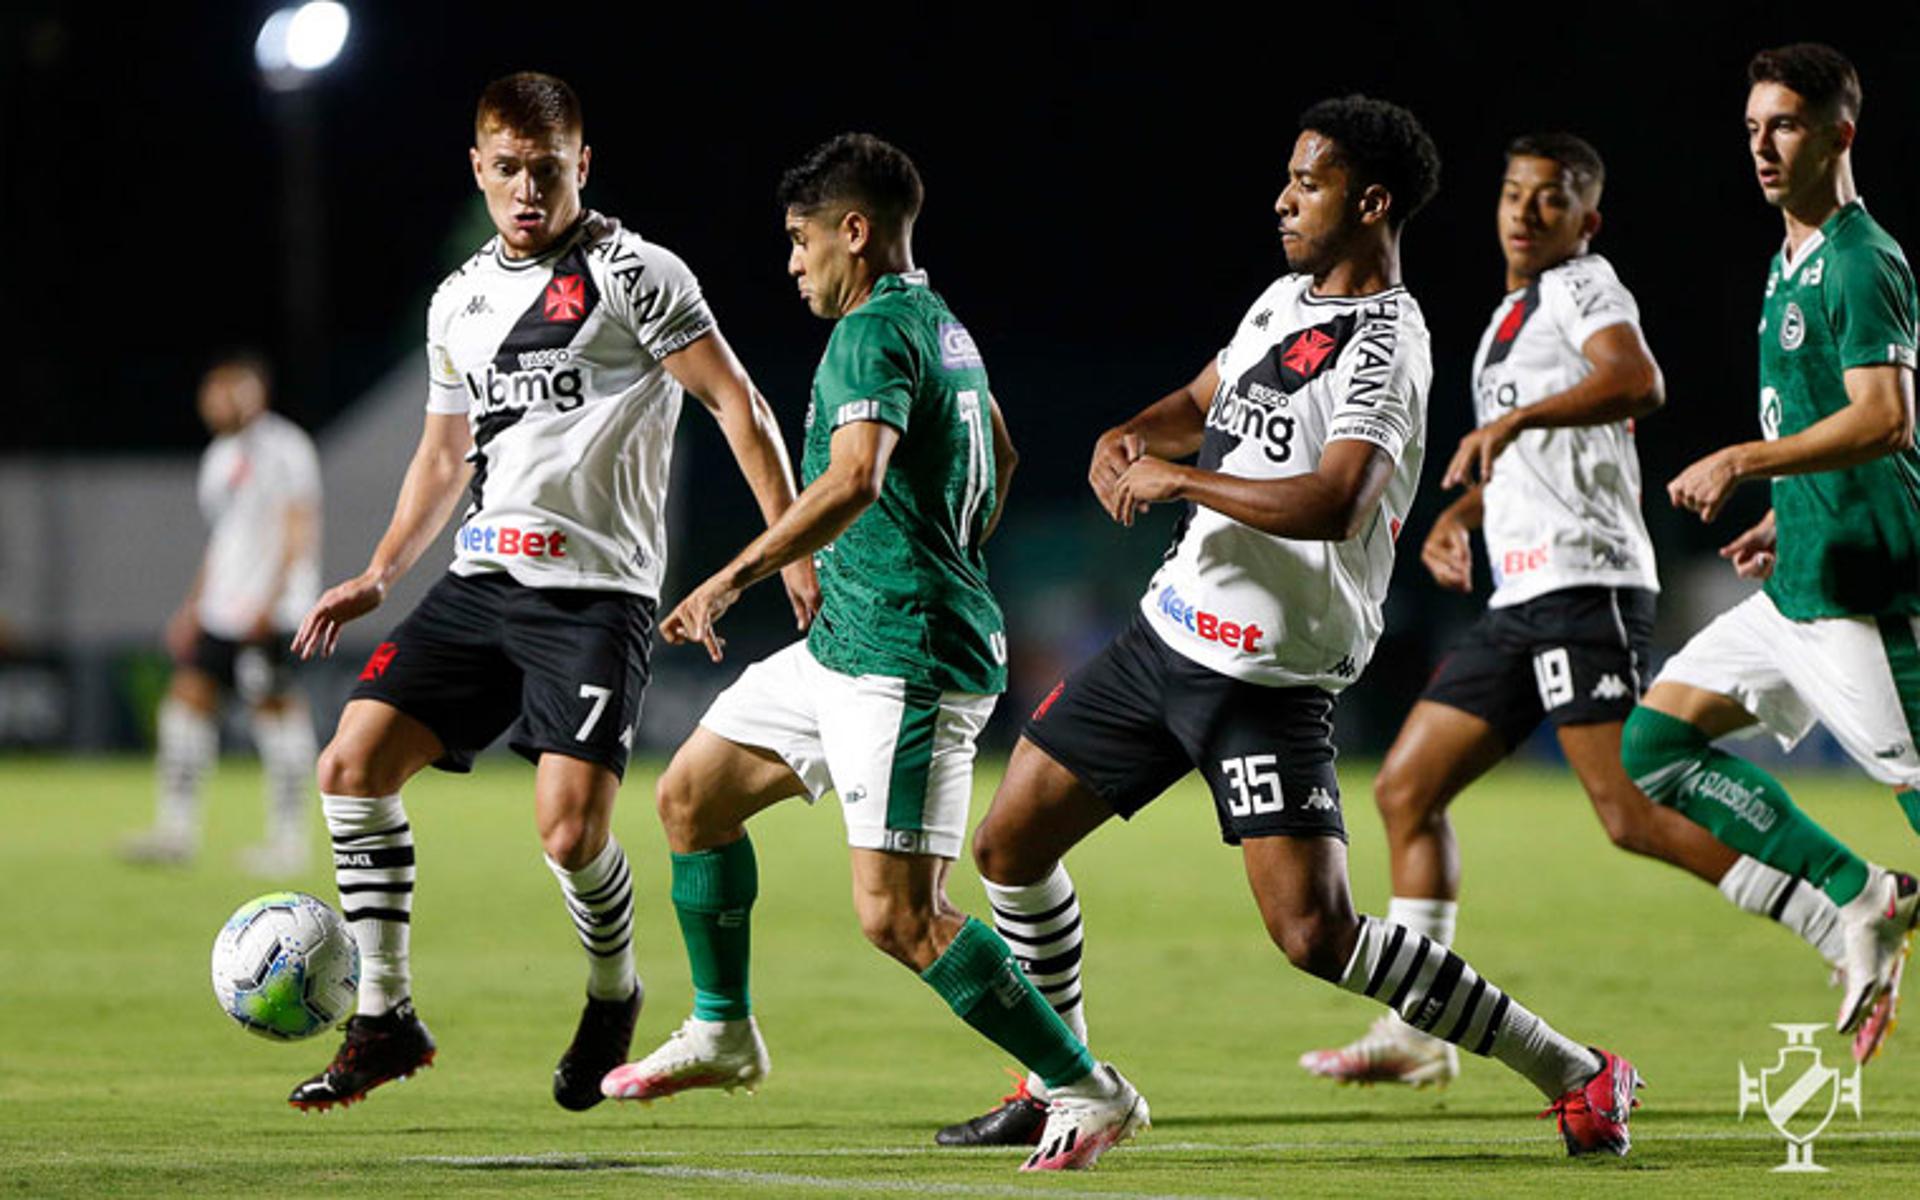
<point>1310,429</point>
<point>259,488</point>
<point>1831,636</point>
<point>908,463</point>
<point>557,359</point>
<point>1553,482</point>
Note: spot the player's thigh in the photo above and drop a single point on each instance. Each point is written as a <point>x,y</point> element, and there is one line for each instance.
<point>1730,675</point>
<point>583,657</point>
<point>901,757</point>
<point>573,807</point>
<point>1439,750</point>
<point>900,899</point>
<point>1266,754</point>
<point>1040,811</point>
<point>1861,678</point>
<point>713,786</point>
<point>375,749</point>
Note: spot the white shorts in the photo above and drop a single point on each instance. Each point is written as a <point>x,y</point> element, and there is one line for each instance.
<point>900,757</point>
<point>1858,676</point>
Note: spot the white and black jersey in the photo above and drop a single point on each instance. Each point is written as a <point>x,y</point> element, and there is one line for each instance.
<point>248,482</point>
<point>556,360</point>
<point>1301,371</point>
<point>1563,508</point>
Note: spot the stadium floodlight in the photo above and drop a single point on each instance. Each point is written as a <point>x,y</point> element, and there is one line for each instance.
<point>297,43</point>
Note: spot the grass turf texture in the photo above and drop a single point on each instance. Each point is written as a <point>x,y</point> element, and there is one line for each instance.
<point>118,1075</point>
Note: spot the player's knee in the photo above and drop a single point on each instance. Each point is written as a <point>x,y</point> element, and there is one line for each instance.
<point>347,771</point>
<point>1317,943</point>
<point>676,802</point>
<point>1406,805</point>
<point>899,929</point>
<point>996,857</point>
<point>573,842</point>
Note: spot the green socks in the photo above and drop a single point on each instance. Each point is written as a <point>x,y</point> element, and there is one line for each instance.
<point>981,983</point>
<point>1675,764</point>
<point>1910,804</point>
<point>713,894</point>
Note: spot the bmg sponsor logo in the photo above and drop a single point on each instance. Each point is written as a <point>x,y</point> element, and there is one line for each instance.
<point>540,381</point>
<point>505,541</point>
<point>1208,626</point>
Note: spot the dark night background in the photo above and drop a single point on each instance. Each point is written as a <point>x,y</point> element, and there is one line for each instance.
<point>1100,182</point>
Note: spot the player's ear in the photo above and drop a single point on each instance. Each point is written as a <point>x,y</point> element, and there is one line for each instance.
<point>473,157</point>
<point>1843,134</point>
<point>857,230</point>
<point>1375,203</point>
<point>1590,224</point>
<point>586,160</point>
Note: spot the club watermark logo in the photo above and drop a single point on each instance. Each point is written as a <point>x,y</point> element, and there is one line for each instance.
<point>1799,1093</point>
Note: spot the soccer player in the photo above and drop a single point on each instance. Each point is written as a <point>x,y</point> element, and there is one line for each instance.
<point>1561,374</point>
<point>557,358</point>
<point>908,463</point>
<point>1831,636</point>
<point>259,488</point>
<point>1310,428</point>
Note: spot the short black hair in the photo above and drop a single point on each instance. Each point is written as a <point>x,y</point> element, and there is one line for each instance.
<point>1382,143</point>
<point>1820,74</point>
<point>1575,154</point>
<point>857,170</point>
<point>527,102</point>
<point>243,358</point>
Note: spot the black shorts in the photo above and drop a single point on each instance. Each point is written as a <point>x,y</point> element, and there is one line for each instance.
<point>564,667</point>
<point>252,669</point>
<point>1577,656</point>
<point>1131,723</point>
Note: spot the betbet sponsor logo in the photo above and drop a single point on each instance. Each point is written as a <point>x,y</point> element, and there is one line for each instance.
<point>1206,625</point>
<point>508,542</point>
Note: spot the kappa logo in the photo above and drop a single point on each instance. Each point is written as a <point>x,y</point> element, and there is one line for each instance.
<point>1261,318</point>
<point>565,299</point>
<point>477,306</point>
<point>1799,1093</point>
<point>1345,668</point>
<point>1793,327</point>
<point>1609,688</point>
<point>1320,798</point>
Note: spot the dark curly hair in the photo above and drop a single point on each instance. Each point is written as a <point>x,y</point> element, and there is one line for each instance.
<point>1820,74</point>
<point>857,170</point>
<point>1380,142</point>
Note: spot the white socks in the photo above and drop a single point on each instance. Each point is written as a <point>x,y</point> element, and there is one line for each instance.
<point>373,866</point>
<point>600,899</point>
<point>188,741</point>
<point>286,744</point>
<point>1040,922</point>
<point>1766,892</point>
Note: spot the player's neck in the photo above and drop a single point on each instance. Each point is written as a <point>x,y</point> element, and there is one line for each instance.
<point>1805,215</point>
<point>869,268</point>
<point>1374,268</point>
<point>1516,281</point>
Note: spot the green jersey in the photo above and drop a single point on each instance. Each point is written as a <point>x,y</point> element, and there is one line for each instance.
<point>1849,539</point>
<point>904,589</point>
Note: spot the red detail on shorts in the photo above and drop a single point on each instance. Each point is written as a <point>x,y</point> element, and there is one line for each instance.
<point>377,664</point>
<point>1393,529</point>
<point>566,298</point>
<point>1048,702</point>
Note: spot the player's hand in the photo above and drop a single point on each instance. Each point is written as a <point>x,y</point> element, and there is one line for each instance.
<point>693,619</point>
<point>1753,552</point>
<point>319,631</point>
<point>182,631</point>
<point>803,591</point>
<point>1448,555</point>
<point>1112,455</point>
<point>1477,452</point>
<point>1705,486</point>
<point>1147,482</point>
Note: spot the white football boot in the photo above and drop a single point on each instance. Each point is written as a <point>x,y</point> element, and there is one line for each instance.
<point>1875,928</point>
<point>699,1054</point>
<point>1392,1051</point>
<point>1086,1119</point>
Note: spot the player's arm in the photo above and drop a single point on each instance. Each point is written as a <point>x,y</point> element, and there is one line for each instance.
<point>1331,504</point>
<point>1448,551</point>
<point>856,469</point>
<point>710,371</point>
<point>1752,553</point>
<point>299,528</point>
<point>1624,383</point>
<point>1171,427</point>
<point>1877,421</point>
<point>433,483</point>
<point>183,627</point>
<point>1005,458</point>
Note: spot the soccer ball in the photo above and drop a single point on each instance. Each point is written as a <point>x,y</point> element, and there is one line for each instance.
<point>285,966</point>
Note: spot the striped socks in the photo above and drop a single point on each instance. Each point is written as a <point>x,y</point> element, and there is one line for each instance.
<point>1765,892</point>
<point>373,867</point>
<point>1040,922</point>
<point>600,900</point>
<point>1437,993</point>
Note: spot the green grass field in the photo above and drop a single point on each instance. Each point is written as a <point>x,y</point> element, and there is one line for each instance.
<point>118,1075</point>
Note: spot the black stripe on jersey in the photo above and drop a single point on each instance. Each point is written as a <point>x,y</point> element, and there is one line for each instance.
<point>1249,407</point>
<point>1510,325</point>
